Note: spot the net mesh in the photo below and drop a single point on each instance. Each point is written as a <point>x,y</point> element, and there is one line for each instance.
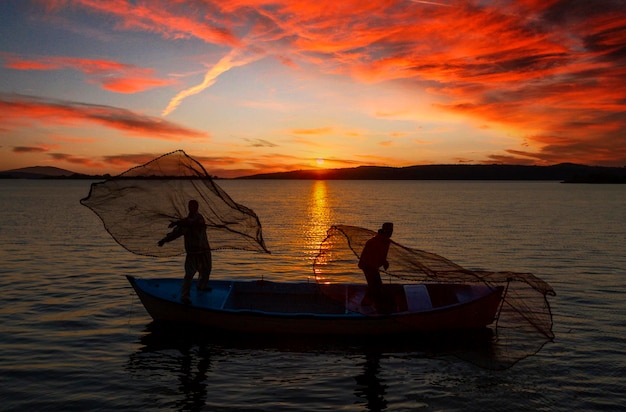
<point>137,206</point>
<point>523,324</point>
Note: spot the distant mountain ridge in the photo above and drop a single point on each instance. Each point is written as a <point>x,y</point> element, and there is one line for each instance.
<point>37,172</point>
<point>566,172</point>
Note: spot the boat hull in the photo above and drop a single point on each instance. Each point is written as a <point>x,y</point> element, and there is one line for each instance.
<point>307,309</point>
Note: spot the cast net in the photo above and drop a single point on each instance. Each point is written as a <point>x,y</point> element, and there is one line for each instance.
<point>137,206</point>
<point>524,321</point>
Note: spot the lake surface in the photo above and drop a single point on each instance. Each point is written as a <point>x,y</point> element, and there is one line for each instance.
<point>74,336</point>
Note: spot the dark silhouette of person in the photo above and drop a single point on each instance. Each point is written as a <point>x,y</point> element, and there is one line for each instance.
<point>373,256</point>
<point>193,228</point>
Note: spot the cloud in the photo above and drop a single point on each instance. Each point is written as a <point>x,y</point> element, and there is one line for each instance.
<point>173,20</point>
<point>118,162</point>
<point>77,160</point>
<point>30,149</point>
<point>260,143</point>
<point>530,66</point>
<point>226,166</point>
<point>602,151</point>
<point>19,110</point>
<point>434,3</point>
<point>131,85</point>
<point>313,131</point>
<point>126,161</point>
<point>112,76</point>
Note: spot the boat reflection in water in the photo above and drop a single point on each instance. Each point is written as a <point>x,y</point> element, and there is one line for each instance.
<point>218,369</point>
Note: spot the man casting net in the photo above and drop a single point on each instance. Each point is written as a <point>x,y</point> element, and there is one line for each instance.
<point>523,323</point>
<point>137,205</point>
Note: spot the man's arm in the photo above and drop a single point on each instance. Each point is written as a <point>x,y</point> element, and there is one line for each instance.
<point>174,234</point>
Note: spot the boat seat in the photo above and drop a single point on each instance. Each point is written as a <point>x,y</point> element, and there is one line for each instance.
<point>417,298</point>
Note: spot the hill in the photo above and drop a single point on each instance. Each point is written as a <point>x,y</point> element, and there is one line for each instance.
<point>37,172</point>
<point>567,172</point>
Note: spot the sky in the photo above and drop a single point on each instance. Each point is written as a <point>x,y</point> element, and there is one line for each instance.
<point>262,86</point>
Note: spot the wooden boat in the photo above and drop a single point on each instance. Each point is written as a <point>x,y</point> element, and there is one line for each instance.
<point>318,309</point>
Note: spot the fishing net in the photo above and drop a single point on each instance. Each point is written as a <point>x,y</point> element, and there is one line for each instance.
<point>137,206</point>
<point>524,321</point>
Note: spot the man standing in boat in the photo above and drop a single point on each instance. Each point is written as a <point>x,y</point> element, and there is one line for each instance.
<point>193,228</point>
<point>373,256</point>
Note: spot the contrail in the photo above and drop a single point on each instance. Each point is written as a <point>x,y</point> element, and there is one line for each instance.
<point>225,64</point>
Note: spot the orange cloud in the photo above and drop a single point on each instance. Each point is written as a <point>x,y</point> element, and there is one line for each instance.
<point>112,76</point>
<point>314,131</point>
<point>540,67</point>
<point>29,109</point>
<point>126,161</point>
<point>77,160</point>
<point>221,166</point>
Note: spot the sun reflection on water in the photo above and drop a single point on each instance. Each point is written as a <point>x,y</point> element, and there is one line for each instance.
<point>319,215</point>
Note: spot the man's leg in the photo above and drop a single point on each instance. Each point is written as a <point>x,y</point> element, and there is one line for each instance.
<point>190,271</point>
<point>373,293</point>
<point>204,271</point>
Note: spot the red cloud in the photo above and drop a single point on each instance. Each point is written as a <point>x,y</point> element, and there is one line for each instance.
<point>28,109</point>
<point>547,67</point>
<point>132,85</point>
<point>112,76</point>
<point>17,63</point>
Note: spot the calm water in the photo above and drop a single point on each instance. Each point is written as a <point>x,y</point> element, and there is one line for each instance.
<point>75,337</point>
